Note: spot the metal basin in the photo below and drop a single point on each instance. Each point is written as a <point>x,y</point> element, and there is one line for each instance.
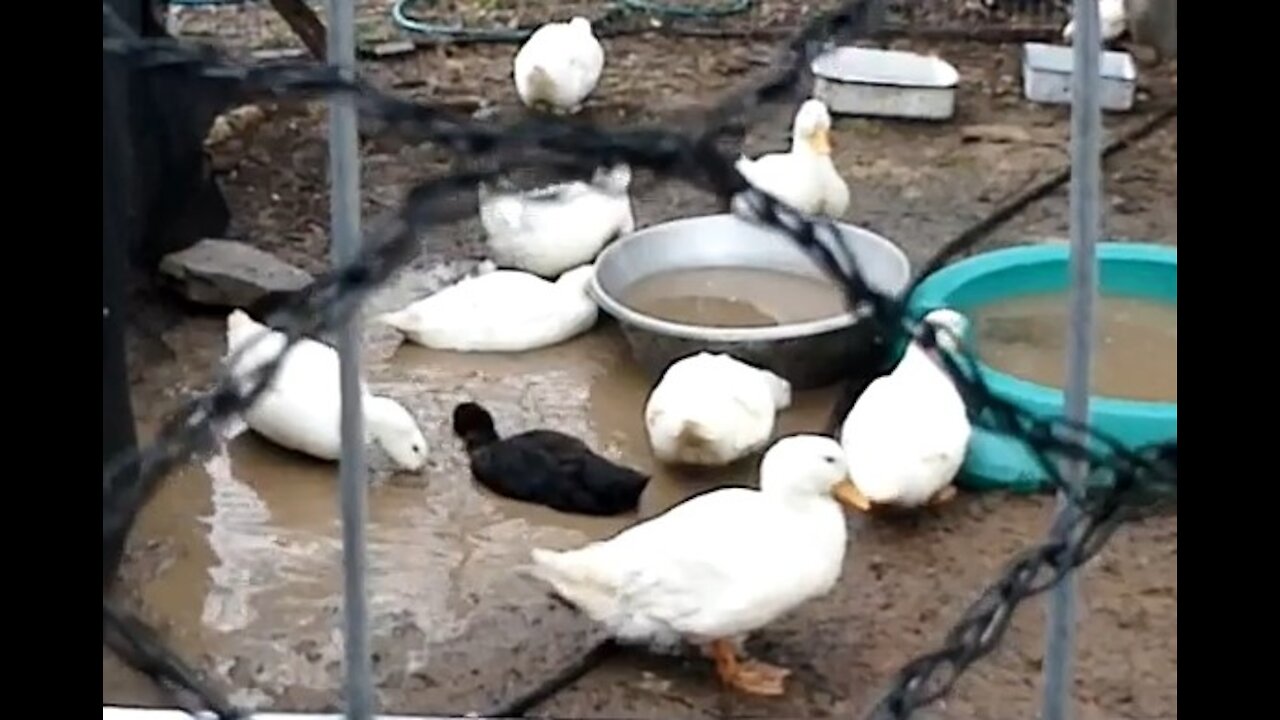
<point>808,354</point>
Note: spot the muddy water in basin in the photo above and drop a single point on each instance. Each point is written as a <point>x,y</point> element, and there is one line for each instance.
<point>251,568</point>
<point>1135,343</point>
<point>734,297</point>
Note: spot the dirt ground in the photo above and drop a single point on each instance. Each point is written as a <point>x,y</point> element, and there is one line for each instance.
<point>237,559</point>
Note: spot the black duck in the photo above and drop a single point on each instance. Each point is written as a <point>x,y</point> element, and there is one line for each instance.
<point>546,467</point>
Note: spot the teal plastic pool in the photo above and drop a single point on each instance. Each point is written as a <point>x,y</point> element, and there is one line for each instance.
<point>1127,269</point>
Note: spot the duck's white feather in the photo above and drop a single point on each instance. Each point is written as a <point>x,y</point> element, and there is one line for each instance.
<point>716,566</point>
<point>301,408</point>
<point>1113,19</point>
<point>551,230</point>
<point>500,311</point>
<point>559,64</point>
<point>804,177</point>
<point>713,409</point>
<point>296,408</point>
<point>807,182</point>
<point>906,436</point>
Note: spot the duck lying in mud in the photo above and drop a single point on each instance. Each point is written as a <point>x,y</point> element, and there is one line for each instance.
<point>546,467</point>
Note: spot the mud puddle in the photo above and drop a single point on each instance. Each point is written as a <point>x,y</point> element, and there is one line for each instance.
<point>253,576</point>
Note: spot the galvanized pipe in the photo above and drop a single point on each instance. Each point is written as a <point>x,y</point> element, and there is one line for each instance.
<point>1085,218</point>
<point>344,217</point>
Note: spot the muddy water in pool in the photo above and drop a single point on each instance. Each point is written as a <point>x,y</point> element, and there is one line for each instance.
<point>1135,345</point>
<point>734,297</point>
<point>253,554</point>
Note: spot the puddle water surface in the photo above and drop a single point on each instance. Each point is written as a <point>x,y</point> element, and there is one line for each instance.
<point>255,557</point>
<point>1135,343</point>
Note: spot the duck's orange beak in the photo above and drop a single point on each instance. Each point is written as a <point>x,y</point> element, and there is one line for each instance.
<point>821,142</point>
<point>850,496</point>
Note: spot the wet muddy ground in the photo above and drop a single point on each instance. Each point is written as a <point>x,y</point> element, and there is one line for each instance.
<point>237,559</point>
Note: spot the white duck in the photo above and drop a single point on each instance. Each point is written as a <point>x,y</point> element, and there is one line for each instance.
<point>551,229</point>
<point>804,177</point>
<point>713,409</point>
<point>301,408</point>
<point>558,66</point>
<point>719,565</point>
<point>906,436</point>
<point>500,311</point>
<point>1110,13</point>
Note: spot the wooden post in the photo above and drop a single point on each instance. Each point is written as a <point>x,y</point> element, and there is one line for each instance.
<point>305,24</point>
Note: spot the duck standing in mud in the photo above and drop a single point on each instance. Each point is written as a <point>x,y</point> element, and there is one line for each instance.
<point>906,436</point>
<point>719,565</point>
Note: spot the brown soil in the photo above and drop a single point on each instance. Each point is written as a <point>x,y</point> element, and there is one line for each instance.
<point>237,559</point>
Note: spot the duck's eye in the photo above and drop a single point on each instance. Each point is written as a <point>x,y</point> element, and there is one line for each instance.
<point>417,449</point>
<point>830,460</point>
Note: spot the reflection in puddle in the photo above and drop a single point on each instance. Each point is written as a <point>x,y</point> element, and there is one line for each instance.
<point>242,549</point>
<point>256,568</point>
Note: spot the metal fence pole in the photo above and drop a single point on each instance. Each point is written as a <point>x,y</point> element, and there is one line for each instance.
<point>1085,213</point>
<point>344,218</point>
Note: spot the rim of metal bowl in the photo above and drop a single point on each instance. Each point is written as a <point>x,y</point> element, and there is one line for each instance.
<point>710,333</point>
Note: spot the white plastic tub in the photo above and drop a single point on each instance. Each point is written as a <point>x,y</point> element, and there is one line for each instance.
<point>885,83</point>
<point>1046,76</point>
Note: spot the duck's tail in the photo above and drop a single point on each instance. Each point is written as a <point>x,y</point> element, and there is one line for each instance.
<point>395,319</point>
<point>542,86</point>
<point>694,438</point>
<point>696,443</point>
<point>615,487</point>
<point>240,328</point>
<point>573,582</point>
<point>239,323</point>
<point>239,318</point>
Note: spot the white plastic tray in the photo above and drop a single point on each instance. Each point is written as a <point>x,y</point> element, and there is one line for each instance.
<point>1047,69</point>
<point>885,83</point>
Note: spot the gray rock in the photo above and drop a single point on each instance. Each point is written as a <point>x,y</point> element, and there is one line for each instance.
<point>227,273</point>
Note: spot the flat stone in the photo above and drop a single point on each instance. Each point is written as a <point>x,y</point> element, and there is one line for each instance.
<point>228,273</point>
